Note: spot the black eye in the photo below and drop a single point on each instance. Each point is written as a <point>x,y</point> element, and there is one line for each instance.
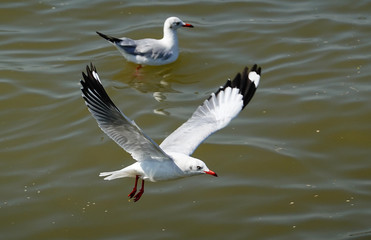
<point>177,23</point>
<point>199,167</point>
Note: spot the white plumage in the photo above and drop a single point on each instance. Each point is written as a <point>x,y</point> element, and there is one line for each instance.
<point>150,51</point>
<point>171,159</point>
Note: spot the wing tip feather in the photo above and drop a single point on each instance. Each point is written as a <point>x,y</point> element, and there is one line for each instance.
<point>92,89</point>
<point>246,81</point>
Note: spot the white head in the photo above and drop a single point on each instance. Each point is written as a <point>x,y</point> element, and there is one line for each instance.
<point>197,167</point>
<point>191,166</point>
<point>174,23</point>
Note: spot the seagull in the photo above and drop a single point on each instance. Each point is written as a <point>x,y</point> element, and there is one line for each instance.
<point>150,51</point>
<point>171,159</point>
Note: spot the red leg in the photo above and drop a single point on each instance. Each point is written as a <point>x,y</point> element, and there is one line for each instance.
<point>131,195</point>
<point>137,73</point>
<point>140,193</point>
<point>137,70</point>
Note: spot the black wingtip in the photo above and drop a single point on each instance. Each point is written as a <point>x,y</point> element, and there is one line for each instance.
<point>256,69</point>
<point>109,38</point>
<point>243,82</point>
<point>92,89</point>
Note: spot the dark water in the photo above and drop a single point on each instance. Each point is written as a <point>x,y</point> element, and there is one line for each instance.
<point>294,165</point>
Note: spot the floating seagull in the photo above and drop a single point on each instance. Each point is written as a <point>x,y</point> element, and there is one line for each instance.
<point>150,51</point>
<point>171,159</point>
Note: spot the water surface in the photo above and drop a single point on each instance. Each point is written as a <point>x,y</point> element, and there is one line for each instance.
<point>293,165</point>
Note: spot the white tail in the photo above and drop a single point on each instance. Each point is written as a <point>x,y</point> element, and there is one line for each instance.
<point>114,174</point>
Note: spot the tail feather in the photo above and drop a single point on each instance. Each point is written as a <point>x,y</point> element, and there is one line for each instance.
<point>114,174</point>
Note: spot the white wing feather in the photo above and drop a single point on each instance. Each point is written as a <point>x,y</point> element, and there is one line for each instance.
<point>215,113</point>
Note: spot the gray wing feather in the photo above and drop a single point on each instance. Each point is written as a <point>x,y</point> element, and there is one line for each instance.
<point>149,48</point>
<point>114,123</point>
<point>144,47</point>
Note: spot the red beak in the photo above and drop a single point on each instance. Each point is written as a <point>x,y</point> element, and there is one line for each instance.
<point>211,173</point>
<point>188,25</point>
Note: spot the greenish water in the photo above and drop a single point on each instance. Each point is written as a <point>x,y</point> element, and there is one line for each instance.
<point>293,165</point>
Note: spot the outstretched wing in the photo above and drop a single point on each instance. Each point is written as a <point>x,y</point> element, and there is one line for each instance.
<point>215,113</point>
<point>114,123</point>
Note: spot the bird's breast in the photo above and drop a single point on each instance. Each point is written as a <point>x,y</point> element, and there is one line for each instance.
<point>160,170</point>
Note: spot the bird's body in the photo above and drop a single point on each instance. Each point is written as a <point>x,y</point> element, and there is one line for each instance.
<point>150,51</point>
<point>171,159</point>
<point>154,170</point>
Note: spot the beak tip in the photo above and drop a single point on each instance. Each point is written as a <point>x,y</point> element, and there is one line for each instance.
<point>188,25</point>
<point>211,173</point>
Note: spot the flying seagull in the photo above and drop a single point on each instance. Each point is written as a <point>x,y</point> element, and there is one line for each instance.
<point>150,51</point>
<point>171,159</point>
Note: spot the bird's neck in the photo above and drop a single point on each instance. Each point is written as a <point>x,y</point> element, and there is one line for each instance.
<point>170,36</point>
